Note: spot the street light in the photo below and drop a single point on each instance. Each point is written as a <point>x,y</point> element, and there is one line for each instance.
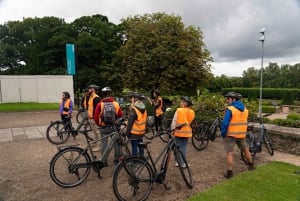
<point>262,40</point>
<point>123,37</point>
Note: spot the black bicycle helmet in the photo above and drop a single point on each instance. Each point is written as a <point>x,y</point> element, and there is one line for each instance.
<point>137,95</point>
<point>106,91</point>
<point>231,94</point>
<point>157,92</point>
<point>66,94</point>
<point>239,96</point>
<point>187,99</point>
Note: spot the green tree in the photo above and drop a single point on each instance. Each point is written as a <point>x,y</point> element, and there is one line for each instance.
<point>162,52</point>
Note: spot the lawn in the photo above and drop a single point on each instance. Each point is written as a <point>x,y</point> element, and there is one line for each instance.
<point>24,107</point>
<point>275,181</point>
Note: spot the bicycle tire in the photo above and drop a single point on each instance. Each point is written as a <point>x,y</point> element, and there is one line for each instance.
<point>199,141</point>
<point>268,143</point>
<point>149,134</point>
<point>62,170</point>
<point>56,133</point>
<point>184,168</point>
<point>164,136</point>
<point>243,157</point>
<point>132,179</point>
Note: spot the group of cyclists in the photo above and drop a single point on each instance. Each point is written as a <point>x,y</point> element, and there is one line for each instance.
<point>233,129</point>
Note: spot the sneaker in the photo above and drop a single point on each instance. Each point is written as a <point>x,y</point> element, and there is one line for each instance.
<point>228,174</point>
<point>176,164</point>
<point>96,149</point>
<point>184,165</point>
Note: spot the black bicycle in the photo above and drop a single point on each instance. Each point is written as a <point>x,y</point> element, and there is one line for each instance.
<point>71,165</point>
<point>59,132</point>
<point>205,131</point>
<point>256,138</point>
<point>134,176</point>
<point>162,134</point>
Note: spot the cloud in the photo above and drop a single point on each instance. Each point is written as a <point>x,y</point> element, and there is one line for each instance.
<point>230,28</point>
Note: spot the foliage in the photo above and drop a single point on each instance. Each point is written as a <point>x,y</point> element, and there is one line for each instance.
<point>288,98</point>
<point>293,116</point>
<point>257,185</point>
<point>25,107</point>
<point>161,51</point>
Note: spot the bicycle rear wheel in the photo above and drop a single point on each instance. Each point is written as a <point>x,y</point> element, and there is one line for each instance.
<point>62,167</point>
<point>132,179</point>
<point>244,159</point>
<point>184,167</point>
<point>57,133</point>
<point>199,141</point>
<point>268,143</point>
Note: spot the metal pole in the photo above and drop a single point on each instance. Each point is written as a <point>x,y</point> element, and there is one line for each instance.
<point>261,71</point>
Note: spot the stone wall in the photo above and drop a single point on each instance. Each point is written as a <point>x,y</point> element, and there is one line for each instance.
<point>285,139</point>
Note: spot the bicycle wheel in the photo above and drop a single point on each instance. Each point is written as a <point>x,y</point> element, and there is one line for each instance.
<point>199,141</point>
<point>244,159</point>
<point>56,133</point>
<point>80,115</point>
<point>164,136</point>
<point>63,170</point>
<point>268,143</point>
<point>184,167</point>
<point>132,179</point>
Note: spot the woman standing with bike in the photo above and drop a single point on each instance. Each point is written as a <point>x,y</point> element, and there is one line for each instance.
<point>136,126</point>
<point>233,130</point>
<point>183,115</point>
<point>66,108</point>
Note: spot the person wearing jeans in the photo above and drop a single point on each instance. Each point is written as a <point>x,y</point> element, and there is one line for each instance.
<point>183,115</point>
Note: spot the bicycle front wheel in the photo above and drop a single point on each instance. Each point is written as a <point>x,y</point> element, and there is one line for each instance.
<point>56,133</point>
<point>63,170</point>
<point>184,167</point>
<point>268,143</point>
<point>199,141</point>
<point>132,179</point>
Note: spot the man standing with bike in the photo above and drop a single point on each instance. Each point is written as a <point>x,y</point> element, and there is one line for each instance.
<point>106,113</point>
<point>233,130</point>
<point>66,108</point>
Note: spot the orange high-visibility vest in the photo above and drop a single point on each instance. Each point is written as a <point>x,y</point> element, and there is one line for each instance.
<point>91,105</point>
<point>184,115</point>
<point>66,105</point>
<point>158,110</point>
<point>139,125</point>
<point>238,124</point>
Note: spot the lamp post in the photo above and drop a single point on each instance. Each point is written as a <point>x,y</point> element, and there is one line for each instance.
<point>262,40</point>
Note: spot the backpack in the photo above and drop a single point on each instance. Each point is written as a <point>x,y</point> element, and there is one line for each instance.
<point>108,113</point>
<point>164,106</point>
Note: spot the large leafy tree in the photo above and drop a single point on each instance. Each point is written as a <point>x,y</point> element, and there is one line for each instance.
<point>162,52</point>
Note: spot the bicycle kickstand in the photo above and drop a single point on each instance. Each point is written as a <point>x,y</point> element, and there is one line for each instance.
<point>166,186</point>
<point>99,175</point>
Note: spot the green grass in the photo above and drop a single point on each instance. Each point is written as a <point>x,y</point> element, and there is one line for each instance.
<point>275,181</point>
<point>24,107</point>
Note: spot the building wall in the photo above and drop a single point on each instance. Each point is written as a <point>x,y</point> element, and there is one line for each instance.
<point>34,88</point>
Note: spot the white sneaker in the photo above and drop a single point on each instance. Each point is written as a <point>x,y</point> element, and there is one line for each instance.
<point>176,164</point>
<point>184,165</point>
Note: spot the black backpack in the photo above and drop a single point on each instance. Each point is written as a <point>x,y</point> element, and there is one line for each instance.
<point>164,106</point>
<point>109,113</point>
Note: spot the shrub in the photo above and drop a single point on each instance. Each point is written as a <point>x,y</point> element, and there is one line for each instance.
<point>293,116</point>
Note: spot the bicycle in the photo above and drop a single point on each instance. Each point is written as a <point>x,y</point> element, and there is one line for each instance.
<point>71,165</point>
<point>81,113</point>
<point>134,176</point>
<point>59,132</point>
<point>162,134</point>
<point>255,140</point>
<point>203,132</point>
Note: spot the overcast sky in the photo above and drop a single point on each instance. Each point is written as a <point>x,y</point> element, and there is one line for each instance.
<point>230,27</point>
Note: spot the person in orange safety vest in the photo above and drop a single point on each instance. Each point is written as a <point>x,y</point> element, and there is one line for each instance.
<point>136,126</point>
<point>183,115</point>
<point>233,130</point>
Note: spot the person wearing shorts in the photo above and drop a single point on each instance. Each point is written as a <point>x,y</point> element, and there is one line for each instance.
<point>233,130</point>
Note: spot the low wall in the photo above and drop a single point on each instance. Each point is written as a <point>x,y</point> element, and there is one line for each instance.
<point>285,139</point>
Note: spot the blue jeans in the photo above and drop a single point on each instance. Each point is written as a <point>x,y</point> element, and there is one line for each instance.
<point>137,150</point>
<point>182,143</point>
